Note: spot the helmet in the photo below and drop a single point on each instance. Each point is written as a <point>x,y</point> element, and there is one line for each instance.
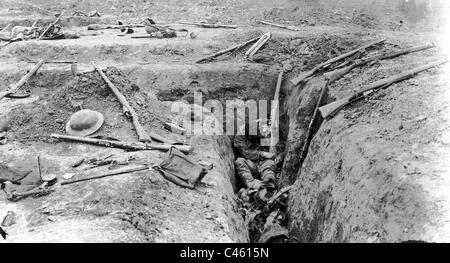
<point>84,122</point>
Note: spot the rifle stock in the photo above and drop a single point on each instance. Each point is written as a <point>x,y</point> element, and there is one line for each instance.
<point>338,73</point>
<point>331,109</point>
<point>142,135</point>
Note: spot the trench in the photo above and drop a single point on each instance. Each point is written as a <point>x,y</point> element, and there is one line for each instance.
<point>146,208</point>
<point>57,94</point>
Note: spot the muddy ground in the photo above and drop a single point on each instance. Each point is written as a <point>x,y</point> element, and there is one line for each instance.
<point>376,172</point>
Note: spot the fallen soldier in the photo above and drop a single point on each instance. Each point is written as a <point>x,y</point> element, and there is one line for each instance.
<point>20,33</point>
<point>158,31</point>
<point>255,166</point>
<point>55,33</point>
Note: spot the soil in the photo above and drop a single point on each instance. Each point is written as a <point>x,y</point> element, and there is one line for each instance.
<point>376,172</point>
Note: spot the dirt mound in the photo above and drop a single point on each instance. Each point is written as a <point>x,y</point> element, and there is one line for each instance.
<point>50,113</point>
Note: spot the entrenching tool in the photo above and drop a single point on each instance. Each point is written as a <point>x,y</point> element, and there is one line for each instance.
<point>252,51</point>
<point>331,109</point>
<point>47,179</point>
<point>303,76</point>
<point>13,89</point>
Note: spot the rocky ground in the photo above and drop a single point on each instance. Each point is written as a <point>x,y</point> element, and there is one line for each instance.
<point>376,172</point>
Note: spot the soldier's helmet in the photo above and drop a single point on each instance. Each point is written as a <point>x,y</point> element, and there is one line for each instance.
<point>84,122</point>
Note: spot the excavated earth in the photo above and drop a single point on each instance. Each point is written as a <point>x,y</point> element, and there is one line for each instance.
<point>376,172</point>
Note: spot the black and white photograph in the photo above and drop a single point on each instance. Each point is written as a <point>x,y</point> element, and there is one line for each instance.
<point>234,122</point>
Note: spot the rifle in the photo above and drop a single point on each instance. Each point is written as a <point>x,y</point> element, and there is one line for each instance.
<point>131,170</point>
<point>205,25</point>
<point>304,76</point>
<point>332,108</point>
<point>274,115</point>
<point>101,27</point>
<point>5,28</point>
<point>337,74</point>
<point>132,146</point>
<point>142,135</point>
<point>311,123</point>
<point>22,81</point>
<point>280,26</point>
<point>52,24</point>
<point>227,50</point>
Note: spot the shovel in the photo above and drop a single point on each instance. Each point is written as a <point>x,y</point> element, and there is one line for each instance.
<point>48,179</point>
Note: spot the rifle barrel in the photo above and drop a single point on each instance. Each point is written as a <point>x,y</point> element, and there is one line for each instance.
<point>310,73</point>
<point>337,74</point>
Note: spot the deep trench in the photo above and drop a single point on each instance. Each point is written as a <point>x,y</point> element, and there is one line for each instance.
<point>50,78</point>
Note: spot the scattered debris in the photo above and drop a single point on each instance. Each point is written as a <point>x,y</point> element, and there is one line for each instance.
<point>215,55</point>
<point>78,162</point>
<point>93,13</point>
<point>68,176</point>
<point>9,219</point>
<point>207,165</point>
<point>252,51</point>
<point>3,138</point>
<point>3,233</point>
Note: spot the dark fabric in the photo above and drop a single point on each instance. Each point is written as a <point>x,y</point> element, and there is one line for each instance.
<point>181,170</point>
<point>247,147</point>
<point>254,174</point>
